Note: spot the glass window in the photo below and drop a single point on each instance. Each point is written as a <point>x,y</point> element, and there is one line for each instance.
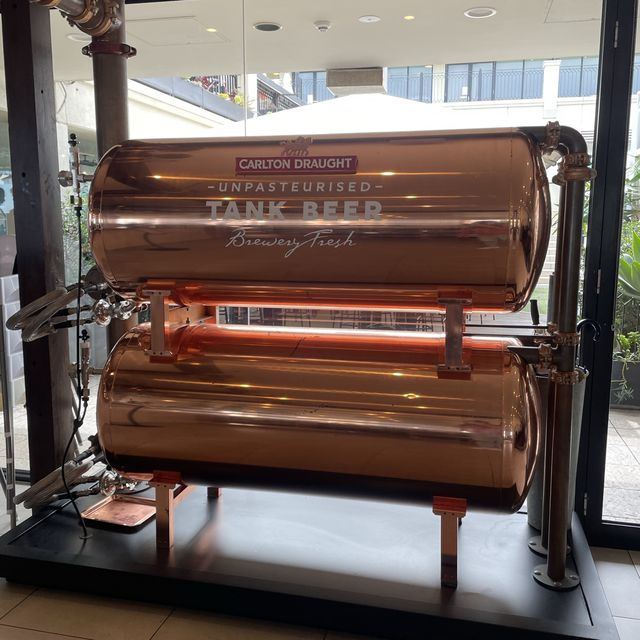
<point>589,83</point>
<point>482,81</point>
<point>570,71</point>
<point>397,82</point>
<point>636,75</point>
<point>457,82</point>
<point>532,79</point>
<point>420,80</point>
<point>508,80</point>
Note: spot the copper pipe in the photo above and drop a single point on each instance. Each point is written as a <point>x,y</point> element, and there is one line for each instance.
<point>548,452</point>
<point>567,271</point>
<point>109,55</point>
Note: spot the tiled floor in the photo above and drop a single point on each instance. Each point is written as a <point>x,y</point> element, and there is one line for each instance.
<point>622,473</point>
<point>619,573</point>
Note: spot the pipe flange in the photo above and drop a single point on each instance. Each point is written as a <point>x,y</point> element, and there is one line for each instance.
<point>569,339</point>
<point>570,580</point>
<point>575,168</point>
<point>85,16</point>
<point>568,377</point>
<point>577,160</point>
<point>111,48</point>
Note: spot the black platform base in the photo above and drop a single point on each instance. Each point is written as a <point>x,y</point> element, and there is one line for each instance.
<point>358,566</point>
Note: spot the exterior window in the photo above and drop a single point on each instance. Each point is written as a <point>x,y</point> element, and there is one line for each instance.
<point>311,86</point>
<point>457,82</point>
<point>636,74</point>
<point>533,79</point>
<point>414,83</point>
<point>482,76</point>
<point>505,80</point>
<point>578,77</point>
<point>509,76</point>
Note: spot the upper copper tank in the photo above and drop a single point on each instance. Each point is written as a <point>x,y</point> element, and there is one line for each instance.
<point>345,412</point>
<point>403,220</point>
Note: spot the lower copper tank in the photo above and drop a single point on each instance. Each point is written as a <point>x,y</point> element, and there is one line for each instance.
<point>357,414</point>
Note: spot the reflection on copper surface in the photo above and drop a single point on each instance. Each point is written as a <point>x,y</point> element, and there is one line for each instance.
<point>467,212</point>
<point>314,410</point>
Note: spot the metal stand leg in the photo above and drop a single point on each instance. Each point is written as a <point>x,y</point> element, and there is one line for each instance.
<point>165,505</point>
<point>8,483</point>
<point>169,493</point>
<point>451,512</point>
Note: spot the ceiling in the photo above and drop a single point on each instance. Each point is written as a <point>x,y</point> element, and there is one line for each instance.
<point>172,37</point>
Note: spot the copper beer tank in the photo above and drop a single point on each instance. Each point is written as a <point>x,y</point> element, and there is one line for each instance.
<point>412,219</point>
<point>353,413</point>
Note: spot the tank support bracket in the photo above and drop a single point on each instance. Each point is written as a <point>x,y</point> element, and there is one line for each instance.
<point>451,512</point>
<point>454,328</point>
<point>159,324</point>
<point>168,495</point>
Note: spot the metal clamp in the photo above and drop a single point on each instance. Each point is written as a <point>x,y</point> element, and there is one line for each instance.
<point>574,167</point>
<point>569,339</point>
<point>113,48</point>
<point>567,377</point>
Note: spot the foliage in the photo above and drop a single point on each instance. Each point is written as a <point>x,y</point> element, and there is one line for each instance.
<point>628,355</point>
<point>627,317</point>
<point>629,347</point>
<point>629,270</point>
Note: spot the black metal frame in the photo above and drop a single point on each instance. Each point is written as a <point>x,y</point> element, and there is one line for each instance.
<point>617,48</point>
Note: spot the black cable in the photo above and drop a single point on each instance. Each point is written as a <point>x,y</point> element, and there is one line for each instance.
<point>78,418</point>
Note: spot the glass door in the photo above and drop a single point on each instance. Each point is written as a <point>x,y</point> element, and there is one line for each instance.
<point>609,498</point>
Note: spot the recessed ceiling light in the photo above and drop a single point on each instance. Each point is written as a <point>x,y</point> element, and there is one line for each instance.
<point>480,12</point>
<point>369,19</point>
<point>79,37</point>
<point>409,17</point>
<point>211,29</point>
<point>267,26</point>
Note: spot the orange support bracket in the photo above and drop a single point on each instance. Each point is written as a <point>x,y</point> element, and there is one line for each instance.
<point>451,512</point>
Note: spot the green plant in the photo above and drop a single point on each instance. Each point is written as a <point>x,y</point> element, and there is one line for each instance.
<point>628,354</point>
<point>629,269</point>
<point>628,298</point>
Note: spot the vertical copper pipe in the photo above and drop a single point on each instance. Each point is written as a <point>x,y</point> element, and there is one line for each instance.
<point>567,273</point>
<point>112,112</point>
<point>551,300</point>
<point>110,89</point>
<point>548,450</point>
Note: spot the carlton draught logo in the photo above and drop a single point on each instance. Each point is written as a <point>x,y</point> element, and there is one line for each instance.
<point>295,159</point>
<point>294,207</point>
